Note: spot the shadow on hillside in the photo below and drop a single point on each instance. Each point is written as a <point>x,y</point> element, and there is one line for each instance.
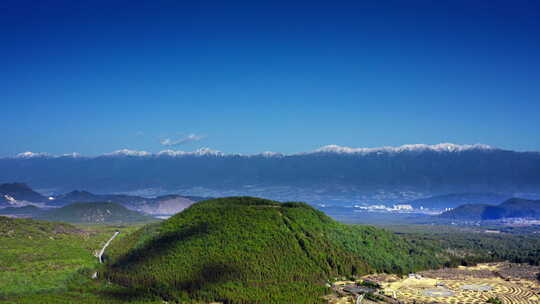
<point>166,289</point>
<point>159,246</point>
<point>126,294</point>
<point>212,273</point>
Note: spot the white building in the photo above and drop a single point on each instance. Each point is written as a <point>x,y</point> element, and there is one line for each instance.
<point>403,207</point>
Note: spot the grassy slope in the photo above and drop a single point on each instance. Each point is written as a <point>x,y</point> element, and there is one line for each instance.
<point>95,213</point>
<point>47,262</point>
<point>37,256</point>
<point>248,250</point>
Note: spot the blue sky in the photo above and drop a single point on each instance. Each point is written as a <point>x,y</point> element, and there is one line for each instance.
<point>253,76</point>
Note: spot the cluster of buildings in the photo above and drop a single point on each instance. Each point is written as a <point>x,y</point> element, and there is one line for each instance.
<point>398,208</point>
<point>394,208</point>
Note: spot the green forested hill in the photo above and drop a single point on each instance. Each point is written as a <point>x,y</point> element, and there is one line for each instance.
<point>27,228</point>
<point>94,213</point>
<point>250,250</point>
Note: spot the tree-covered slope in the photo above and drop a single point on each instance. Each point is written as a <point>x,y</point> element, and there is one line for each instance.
<point>94,213</point>
<point>250,250</point>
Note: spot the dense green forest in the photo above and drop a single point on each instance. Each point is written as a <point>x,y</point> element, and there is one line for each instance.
<point>468,246</point>
<point>250,250</point>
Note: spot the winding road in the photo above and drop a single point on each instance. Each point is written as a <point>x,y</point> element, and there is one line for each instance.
<point>100,256</point>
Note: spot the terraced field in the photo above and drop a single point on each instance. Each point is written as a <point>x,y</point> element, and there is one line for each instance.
<point>467,285</point>
<point>454,292</point>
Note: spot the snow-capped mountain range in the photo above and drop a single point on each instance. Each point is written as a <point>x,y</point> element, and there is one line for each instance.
<point>443,147</point>
<point>351,174</point>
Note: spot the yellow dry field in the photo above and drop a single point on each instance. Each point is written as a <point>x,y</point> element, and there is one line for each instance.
<point>484,266</point>
<point>464,288</point>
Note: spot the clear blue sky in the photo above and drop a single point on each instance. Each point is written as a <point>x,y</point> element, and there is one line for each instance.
<point>252,76</point>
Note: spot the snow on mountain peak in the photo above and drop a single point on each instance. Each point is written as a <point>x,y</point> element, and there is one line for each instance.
<point>31,155</point>
<point>208,151</point>
<point>74,155</point>
<point>270,154</point>
<point>198,152</point>
<point>443,147</point>
<point>127,152</point>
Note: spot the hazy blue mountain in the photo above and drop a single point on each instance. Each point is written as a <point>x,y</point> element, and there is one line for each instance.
<point>94,213</point>
<point>25,211</point>
<point>162,205</point>
<point>512,208</point>
<point>457,199</point>
<point>78,196</point>
<point>517,207</point>
<point>409,172</point>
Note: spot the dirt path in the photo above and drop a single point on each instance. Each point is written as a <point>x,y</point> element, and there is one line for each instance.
<point>100,256</point>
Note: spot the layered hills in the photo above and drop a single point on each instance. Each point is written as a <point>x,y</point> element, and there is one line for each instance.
<point>251,250</point>
<point>18,194</point>
<point>511,208</point>
<point>94,213</point>
<point>166,204</point>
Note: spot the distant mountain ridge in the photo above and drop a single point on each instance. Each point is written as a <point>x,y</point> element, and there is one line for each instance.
<point>78,196</point>
<point>511,208</point>
<point>457,199</point>
<point>161,205</point>
<point>443,147</point>
<point>388,174</point>
<point>94,213</point>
